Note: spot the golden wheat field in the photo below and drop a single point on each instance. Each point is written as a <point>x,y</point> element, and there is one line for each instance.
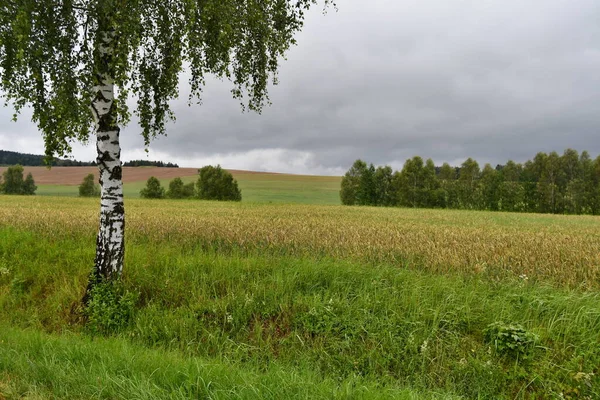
<point>560,250</point>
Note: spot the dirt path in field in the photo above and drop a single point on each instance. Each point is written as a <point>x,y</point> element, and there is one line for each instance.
<point>75,175</point>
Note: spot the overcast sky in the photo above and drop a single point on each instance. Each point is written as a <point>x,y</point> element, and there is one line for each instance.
<point>385,80</point>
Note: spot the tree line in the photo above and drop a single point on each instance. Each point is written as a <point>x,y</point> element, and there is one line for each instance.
<point>549,183</point>
<point>148,163</point>
<point>34,160</point>
<point>214,183</point>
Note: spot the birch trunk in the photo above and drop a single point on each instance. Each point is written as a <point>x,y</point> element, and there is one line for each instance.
<point>110,247</point>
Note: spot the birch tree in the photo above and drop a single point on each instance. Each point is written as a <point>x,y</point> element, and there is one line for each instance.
<point>75,63</point>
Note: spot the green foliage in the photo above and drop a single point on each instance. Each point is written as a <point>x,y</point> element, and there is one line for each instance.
<point>511,340</point>
<point>153,189</point>
<point>215,183</point>
<point>177,189</point>
<point>358,185</point>
<point>12,182</point>
<point>88,187</point>
<point>189,190</point>
<point>549,183</point>
<point>50,56</point>
<point>29,186</point>
<point>37,365</point>
<point>110,308</point>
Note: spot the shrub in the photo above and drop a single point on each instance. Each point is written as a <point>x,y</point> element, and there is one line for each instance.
<point>13,182</point>
<point>189,190</point>
<point>216,183</point>
<point>511,340</point>
<point>110,308</point>
<point>88,187</point>
<point>153,189</point>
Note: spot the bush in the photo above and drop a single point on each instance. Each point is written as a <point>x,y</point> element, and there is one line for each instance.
<point>216,183</point>
<point>189,190</point>
<point>88,187</point>
<point>110,308</point>
<point>153,189</point>
<point>177,190</point>
<point>511,340</point>
<point>13,183</point>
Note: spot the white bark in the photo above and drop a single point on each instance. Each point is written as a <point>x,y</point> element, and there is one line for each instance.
<point>110,246</point>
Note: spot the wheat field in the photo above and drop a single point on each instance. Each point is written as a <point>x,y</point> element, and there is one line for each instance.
<point>560,250</point>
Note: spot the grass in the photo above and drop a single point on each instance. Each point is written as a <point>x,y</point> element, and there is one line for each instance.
<point>35,365</point>
<point>306,312</point>
<point>256,188</point>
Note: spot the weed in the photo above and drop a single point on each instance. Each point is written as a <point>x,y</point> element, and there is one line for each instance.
<point>110,308</point>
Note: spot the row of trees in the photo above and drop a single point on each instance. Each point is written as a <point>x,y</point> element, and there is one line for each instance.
<point>12,182</point>
<point>550,183</point>
<point>148,163</point>
<point>214,183</point>
<point>33,160</point>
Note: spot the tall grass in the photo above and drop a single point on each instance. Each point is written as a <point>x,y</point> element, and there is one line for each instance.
<point>341,324</point>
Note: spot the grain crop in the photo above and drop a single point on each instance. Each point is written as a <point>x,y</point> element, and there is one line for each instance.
<point>560,250</point>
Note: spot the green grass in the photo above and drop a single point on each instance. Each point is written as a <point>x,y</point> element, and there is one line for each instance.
<point>256,188</point>
<point>260,325</point>
<point>38,365</point>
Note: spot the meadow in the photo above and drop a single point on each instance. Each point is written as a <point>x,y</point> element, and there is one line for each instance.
<point>251,300</point>
<point>257,187</point>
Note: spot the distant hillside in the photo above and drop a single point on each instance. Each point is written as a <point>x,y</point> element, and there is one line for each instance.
<point>147,163</point>
<point>34,160</point>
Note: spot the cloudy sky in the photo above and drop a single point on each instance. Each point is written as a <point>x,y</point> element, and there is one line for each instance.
<point>384,80</point>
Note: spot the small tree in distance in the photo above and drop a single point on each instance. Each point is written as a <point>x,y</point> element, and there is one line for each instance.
<point>13,183</point>
<point>88,187</point>
<point>179,190</point>
<point>216,183</point>
<point>29,186</point>
<point>153,189</point>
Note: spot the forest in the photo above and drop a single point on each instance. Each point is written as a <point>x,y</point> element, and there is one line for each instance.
<point>549,183</point>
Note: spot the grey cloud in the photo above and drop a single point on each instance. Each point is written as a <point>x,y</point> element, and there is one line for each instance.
<point>445,79</point>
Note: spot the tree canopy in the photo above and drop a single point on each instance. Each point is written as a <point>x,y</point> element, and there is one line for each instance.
<point>549,183</point>
<point>52,52</point>
<point>12,182</point>
<point>215,183</point>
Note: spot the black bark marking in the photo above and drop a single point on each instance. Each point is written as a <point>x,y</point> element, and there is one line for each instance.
<point>116,173</point>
